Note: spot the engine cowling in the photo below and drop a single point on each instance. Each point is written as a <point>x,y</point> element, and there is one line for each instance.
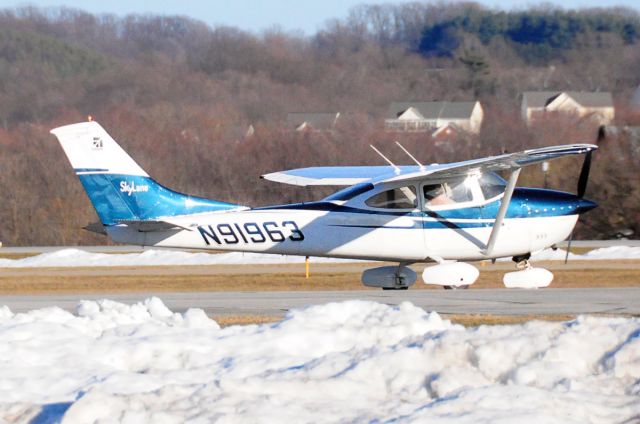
<point>454,274</point>
<point>389,277</point>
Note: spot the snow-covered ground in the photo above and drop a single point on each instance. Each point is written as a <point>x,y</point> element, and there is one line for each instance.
<point>76,257</point>
<point>603,253</point>
<point>341,362</point>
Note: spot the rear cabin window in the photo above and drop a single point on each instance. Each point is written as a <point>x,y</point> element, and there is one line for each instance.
<point>350,192</point>
<point>397,198</point>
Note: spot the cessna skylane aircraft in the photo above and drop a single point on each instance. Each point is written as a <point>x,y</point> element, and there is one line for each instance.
<point>442,213</point>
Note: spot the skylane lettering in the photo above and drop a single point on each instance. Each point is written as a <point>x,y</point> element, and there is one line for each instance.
<point>251,232</point>
<point>131,188</point>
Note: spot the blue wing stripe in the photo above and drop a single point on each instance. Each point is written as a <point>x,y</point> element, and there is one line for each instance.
<point>85,170</point>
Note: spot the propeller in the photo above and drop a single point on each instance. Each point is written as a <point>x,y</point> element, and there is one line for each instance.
<point>584,174</point>
<point>583,179</point>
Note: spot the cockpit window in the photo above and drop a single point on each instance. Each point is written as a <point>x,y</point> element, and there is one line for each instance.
<point>350,192</point>
<point>492,185</point>
<point>447,193</point>
<point>434,195</point>
<point>397,198</point>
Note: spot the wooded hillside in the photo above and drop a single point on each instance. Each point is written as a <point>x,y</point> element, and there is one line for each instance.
<point>180,96</point>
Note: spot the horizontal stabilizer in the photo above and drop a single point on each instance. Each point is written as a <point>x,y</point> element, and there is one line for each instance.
<point>148,226</point>
<point>95,227</point>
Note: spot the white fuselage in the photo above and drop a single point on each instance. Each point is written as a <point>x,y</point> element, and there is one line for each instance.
<point>350,235</point>
<point>458,211</point>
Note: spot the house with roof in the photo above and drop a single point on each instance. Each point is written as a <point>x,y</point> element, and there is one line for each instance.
<point>435,117</point>
<point>595,106</point>
<point>312,121</point>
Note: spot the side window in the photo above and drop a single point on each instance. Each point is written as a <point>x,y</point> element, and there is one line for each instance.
<point>448,193</point>
<point>397,198</point>
<point>460,191</point>
<point>435,195</point>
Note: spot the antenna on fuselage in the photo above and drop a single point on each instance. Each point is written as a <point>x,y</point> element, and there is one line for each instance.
<point>410,155</point>
<point>396,169</point>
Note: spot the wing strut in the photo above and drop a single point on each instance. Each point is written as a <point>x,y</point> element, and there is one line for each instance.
<point>504,205</point>
<point>411,156</point>
<point>395,167</point>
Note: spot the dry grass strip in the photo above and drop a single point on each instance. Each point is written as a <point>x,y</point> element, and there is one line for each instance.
<point>157,279</point>
<point>467,320</point>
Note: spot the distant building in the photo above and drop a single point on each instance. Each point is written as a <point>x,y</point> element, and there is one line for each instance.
<point>312,121</point>
<point>434,116</point>
<point>597,106</point>
<point>447,132</point>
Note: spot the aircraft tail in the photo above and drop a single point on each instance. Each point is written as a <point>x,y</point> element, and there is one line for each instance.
<point>119,189</point>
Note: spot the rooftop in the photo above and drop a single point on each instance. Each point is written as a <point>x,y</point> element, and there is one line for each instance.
<point>433,110</point>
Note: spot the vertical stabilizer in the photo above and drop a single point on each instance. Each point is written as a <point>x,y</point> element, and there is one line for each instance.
<point>119,189</point>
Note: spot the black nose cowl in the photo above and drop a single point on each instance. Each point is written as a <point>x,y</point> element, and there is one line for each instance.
<point>584,205</point>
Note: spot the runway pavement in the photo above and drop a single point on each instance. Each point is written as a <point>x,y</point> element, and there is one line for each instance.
<point>276,303</point>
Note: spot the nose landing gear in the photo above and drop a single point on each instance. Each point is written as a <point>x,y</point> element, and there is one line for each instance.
<point>522,261</point>
<point>526,276</point>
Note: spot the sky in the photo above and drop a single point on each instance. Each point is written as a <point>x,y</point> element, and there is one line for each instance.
<point>259,15</point>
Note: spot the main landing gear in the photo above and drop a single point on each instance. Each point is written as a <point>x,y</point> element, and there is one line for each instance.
<point>399,277</point>
<point>463,287</point>
<point>452,275</point>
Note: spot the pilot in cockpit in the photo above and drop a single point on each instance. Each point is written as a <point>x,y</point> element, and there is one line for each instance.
<point>436,195</point>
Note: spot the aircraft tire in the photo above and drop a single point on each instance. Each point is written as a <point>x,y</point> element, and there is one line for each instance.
<point>462,287</point>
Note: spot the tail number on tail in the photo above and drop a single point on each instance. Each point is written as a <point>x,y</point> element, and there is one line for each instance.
<point>251,232</point>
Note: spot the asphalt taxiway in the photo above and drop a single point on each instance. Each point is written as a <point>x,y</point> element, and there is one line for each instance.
<point>609,301</point>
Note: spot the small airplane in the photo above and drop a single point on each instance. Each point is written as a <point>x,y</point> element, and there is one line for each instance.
<point>442,213</point>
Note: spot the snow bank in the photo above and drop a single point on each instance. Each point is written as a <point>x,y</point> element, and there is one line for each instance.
<point>76,258</point>
<point>614,252</point>
<point>604,253</point>
<point>340,362</point>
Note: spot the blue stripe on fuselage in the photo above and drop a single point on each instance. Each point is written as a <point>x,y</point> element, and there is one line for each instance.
<point>128,197</point>
<point>525,203</point>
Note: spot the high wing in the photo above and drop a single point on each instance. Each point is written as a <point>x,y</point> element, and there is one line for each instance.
<point>337,175</point>
<point>349,175</point>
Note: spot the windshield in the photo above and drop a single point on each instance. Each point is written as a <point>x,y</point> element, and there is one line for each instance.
<point>448,193</point>
<point>492,185</point>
